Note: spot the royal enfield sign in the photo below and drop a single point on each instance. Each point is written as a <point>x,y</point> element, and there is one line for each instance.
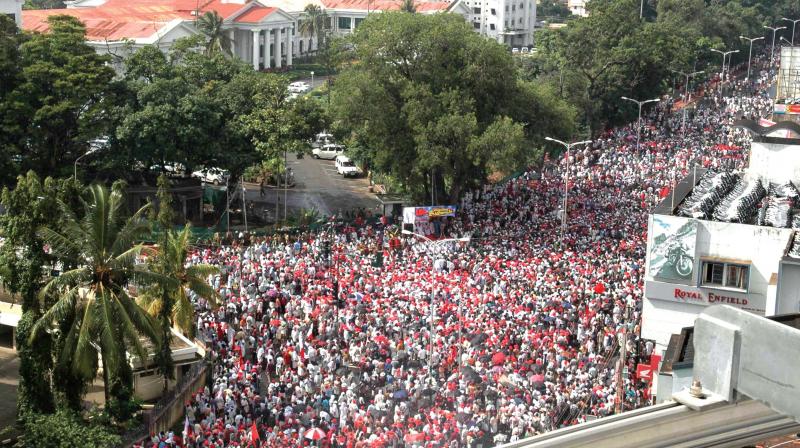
<point>702,296</point>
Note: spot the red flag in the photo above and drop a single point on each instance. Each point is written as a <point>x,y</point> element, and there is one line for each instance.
<point>254,433</point>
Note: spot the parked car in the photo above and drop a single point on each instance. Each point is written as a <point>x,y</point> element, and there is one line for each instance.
<point>174,169</point>
<point>524,50</point>
<point>299,87</point>
<point>515,50</point>
<point>328,151</point>
<point>346,167</point>
<point>211,175</point>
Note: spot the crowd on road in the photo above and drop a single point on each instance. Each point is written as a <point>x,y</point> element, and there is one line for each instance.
<point>456,344</point>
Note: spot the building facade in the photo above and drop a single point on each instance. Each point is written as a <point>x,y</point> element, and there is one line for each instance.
<point>13,9</point>
<point>750,261</point>
<point>264,33</point>
<point>509,22</point>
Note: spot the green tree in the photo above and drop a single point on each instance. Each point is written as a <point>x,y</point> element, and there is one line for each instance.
<point>43,4</point>
<point>211,25</point>
<point>66,430</point>
<point>552,10</point>
<point>408,6</point>
<point>24,266</point>
<point>313,24</point>
<point>11,127</point>
<point>102,248</point>
<point>57,106</point>
<point>425,101</point>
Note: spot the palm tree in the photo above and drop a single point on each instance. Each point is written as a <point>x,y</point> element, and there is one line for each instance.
<point>189,280</point>
<point>314,22</point>
<point>93,300</point>
<point>210,24</point>
<point>408,6</point>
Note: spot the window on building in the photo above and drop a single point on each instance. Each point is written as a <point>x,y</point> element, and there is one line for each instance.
<point>476,25</point>
<point>491,26</point>
<point>514,7</point>
<point>345,23</point>
<point>494,12</point>
<point>520,21</point>
<point>506,8</point>
<point>522,6</point>
<point>476,10</point>
<point>358,22</point>
<point>328,22</point>
<point>726,275</point>
<point>505,24</point>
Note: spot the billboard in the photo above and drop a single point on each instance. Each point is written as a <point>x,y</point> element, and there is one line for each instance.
<point>672,248</point>
<point>789,81</point>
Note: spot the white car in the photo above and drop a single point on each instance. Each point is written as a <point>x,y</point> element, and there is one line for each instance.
<point>346,167</point>
<point>216,176</point>
<point>299,87</point>
<point>174,169</point>
<point>329,151</point>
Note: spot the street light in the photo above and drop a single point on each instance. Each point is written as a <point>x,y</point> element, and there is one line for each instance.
<point>567,146</point>
<point>92,150</point>
<point>750,55</point>
<point>687,95</point>
<point>794,22</point>
<point>639,121</point>
<point>433,247</point>
<point>774,30</point>
<point>724,55</point>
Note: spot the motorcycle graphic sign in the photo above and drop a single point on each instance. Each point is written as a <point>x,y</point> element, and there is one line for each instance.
<point>672,250</point>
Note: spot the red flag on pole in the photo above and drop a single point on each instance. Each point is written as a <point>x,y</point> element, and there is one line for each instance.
<point>254,434</point>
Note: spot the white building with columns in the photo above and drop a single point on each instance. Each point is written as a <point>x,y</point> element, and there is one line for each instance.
<point>264,33</point>
<point>510,22</point>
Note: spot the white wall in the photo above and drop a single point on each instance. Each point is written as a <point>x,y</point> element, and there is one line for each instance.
<point>775,162</point>
<point>12,7</point>
<point>788,300</point>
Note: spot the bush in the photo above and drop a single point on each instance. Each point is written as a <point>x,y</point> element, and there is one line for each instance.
<point>65,430</point>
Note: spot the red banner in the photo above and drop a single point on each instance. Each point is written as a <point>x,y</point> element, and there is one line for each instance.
<point>644,372</point>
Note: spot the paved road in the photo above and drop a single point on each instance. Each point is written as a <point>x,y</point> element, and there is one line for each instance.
<point>317,186</point>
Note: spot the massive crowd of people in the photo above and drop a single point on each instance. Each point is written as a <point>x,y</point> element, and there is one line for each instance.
<point>456,344</point>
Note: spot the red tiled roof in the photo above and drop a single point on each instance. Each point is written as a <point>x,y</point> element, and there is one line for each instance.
<point>384,5</point>
<point>125,19</point>
<point>255,14</point>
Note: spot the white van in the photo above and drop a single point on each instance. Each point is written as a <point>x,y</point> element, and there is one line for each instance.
<point>328,151</point>
<point>346,167</point>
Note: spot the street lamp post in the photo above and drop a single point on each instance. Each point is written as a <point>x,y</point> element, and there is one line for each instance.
<point>92,150</point>
<point>567,146</point>
<point>312,80</point>
<point>641,10</point>
<point>639,121</point>
<point>750,54</point>
<point>774,31</point>
<point>724,55</point>
<point>433,248</point>
<point>794,22</point>
<point>687,95</point>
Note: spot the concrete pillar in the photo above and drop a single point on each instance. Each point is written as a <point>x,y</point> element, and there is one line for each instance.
<point>232,37</point>
<point>289,49</point>
<point>256,42</point>
<point>267,53</point>
<point>278,48</point>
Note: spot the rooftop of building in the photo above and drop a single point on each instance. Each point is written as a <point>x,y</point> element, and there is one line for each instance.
<point>116,20</point>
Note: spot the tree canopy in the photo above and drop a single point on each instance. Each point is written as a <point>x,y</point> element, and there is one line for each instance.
<point>427,89</point>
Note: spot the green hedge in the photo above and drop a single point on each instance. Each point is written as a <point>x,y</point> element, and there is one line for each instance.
<point>65,430</point>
